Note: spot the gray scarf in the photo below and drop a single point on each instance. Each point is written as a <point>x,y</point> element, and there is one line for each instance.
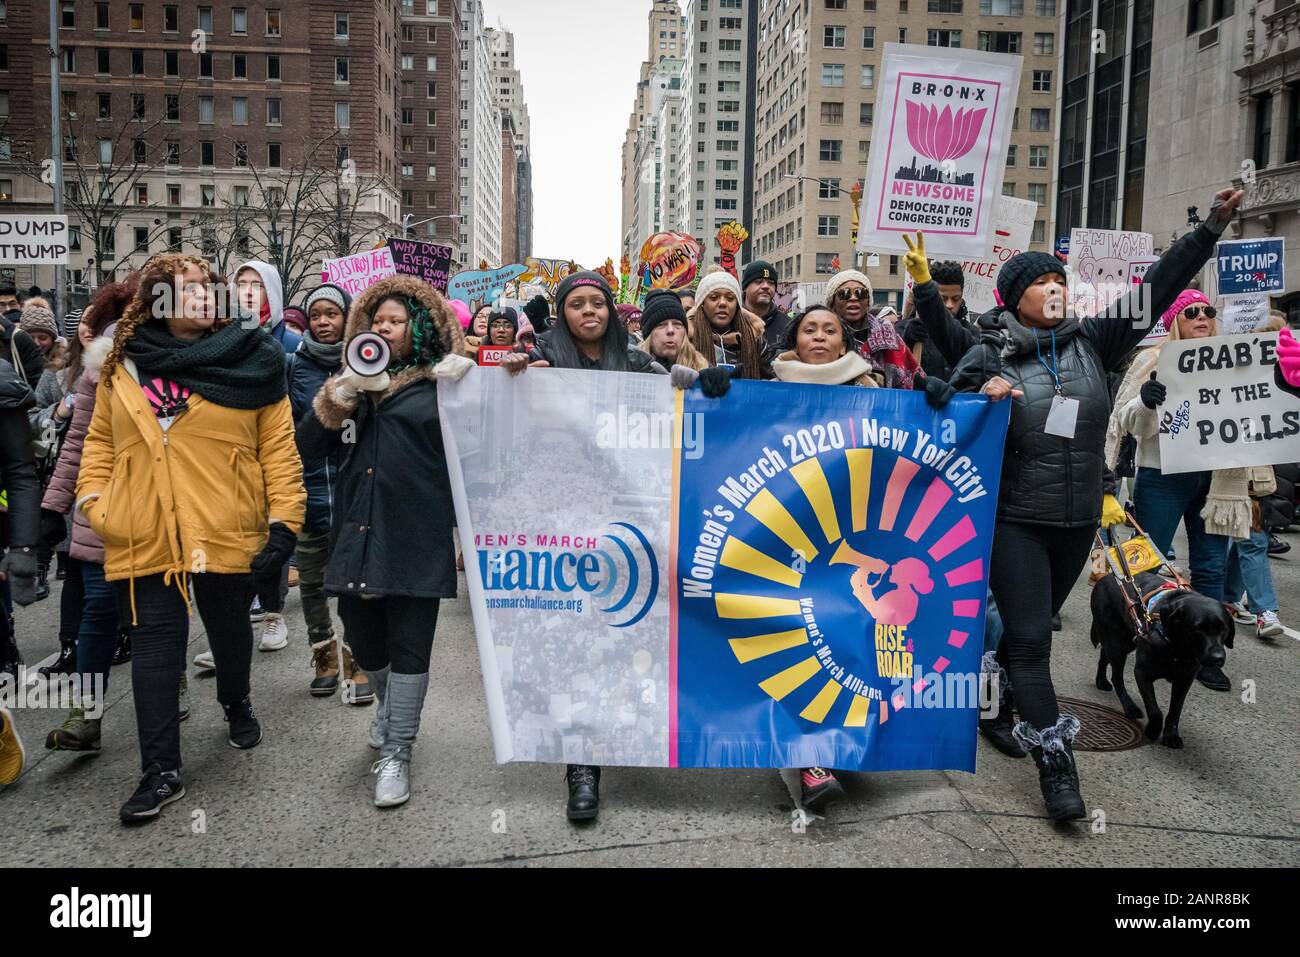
<point>328,357</point>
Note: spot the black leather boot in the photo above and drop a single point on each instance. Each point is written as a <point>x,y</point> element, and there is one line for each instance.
<point>584,791</point>
<point>10,658</point>
<point>123,653</point>
<point>65,664</point>
<point>998,729</point>
<point>1058,775</point>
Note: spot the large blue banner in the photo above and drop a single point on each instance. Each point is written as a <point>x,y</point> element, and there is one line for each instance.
<point>832,551</point>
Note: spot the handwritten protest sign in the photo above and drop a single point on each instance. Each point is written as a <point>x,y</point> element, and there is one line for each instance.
<point>357,273</point>
<point>1243,313</point>
<point>1012,228</point>
<point>482,285</point>
<point>1106,264</point>
<point>1223,406</point>
<point>34,240</point>
<point>943,118</point>
<point>1251,266</point>
<point>428,262</point>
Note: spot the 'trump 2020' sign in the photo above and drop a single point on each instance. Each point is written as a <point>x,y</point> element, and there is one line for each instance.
<point>811,592</point>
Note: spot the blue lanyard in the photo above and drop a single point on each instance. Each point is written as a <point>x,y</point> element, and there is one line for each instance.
<point>1056,377</point>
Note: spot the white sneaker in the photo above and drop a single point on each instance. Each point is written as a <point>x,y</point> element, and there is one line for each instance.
<point>1268,625</point>
<point>204,661</point>
<point>275,632</point>
<point>1239,613</point>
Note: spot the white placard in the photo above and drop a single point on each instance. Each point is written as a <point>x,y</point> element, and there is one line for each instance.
<point>1223,408</point>
<point>1013,227</point>
<point>34,240</point>
<point>943,121</point>
<point>1244,313</point>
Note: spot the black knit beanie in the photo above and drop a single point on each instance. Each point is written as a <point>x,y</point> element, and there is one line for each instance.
<point>1021,271</point>
<point>755,271</point>
<point>660,306</point>
<point>573,281</point>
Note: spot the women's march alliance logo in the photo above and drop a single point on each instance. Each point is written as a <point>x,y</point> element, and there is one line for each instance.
<point>573,566</point>
<point>847,533</point>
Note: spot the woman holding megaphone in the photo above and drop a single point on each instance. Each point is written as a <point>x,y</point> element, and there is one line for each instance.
<point>382,411</point>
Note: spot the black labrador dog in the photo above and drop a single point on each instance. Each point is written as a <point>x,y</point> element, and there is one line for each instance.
<point>1190,632</point>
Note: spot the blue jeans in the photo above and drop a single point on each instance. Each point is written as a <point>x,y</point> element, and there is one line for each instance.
<point>1248,572</point>
<point>1160,501</point>
<point>97,638</point>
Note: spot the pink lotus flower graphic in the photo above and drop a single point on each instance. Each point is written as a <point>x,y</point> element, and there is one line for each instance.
<point>942,136</point>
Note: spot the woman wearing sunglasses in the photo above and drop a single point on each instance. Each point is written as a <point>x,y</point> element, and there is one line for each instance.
<point>848,295</point>
<point>1214,506</point>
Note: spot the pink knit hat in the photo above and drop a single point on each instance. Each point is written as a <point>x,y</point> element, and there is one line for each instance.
<point>1187,297</point>
<point>462,312</point>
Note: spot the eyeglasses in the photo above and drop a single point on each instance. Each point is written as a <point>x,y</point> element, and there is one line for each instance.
<point>501,324</point>
<point>851,295</point>
<point>1191,312</point>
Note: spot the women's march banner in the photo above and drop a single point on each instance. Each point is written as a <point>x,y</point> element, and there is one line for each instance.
<point>943,122</point>
<point>687,582</point>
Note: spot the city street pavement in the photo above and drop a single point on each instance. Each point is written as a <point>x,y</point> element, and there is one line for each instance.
<point>1231,798</point>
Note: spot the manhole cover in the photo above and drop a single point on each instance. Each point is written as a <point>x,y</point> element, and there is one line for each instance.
<point>1102,728</point>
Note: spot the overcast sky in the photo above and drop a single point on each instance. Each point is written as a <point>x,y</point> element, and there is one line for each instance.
<point>579,61</point>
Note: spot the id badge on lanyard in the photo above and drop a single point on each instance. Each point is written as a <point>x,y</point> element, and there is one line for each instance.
<point>1063,418</point>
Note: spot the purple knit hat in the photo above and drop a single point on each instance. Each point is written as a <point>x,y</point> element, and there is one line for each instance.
<point>1187,297</point>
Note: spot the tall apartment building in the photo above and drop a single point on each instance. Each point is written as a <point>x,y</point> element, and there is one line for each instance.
<point>516,175</point>
<point>665,40</point>
<point>815,105</point>
<point>1161,112</point>
<point>258,87</point>
<point>656,201</point>
<point>480,145</point>
<point>430,119</point>
<point>717,160</point>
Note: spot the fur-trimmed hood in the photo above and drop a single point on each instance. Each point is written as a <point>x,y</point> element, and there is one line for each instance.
<point>92,360</point>
<point>446,326</point>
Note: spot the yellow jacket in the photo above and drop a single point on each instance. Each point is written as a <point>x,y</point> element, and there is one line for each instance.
<point>197,498</point>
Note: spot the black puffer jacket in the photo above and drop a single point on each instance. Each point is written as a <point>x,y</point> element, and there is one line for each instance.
<point>306,374</point>
<point>391,535</point>
<point>1047,479</point>
<point>21,523</point>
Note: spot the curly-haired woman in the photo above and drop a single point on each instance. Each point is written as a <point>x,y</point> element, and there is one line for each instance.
<point>189,475</point>
<point>391,556</point>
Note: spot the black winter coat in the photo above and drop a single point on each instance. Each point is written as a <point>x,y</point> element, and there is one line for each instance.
<point>946,338</point>
<point>391,535</point>
<point>1046,479</point>
<point>776,325</point>
<point>1279,509</point>
<point>305,376</point>
<point>22,522</point>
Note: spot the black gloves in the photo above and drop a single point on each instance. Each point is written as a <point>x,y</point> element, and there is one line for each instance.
<point>714,382</point>
<point>280,544</point>
<point>1153,394</point>
<point>538,311</point>
<point>19,568</point>
<point>54,528</point>
<point>915,332</point>
<point>937,392</point>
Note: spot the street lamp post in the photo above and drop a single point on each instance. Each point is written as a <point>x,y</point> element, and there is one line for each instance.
<point>408,223</point>
<point>855,197</point>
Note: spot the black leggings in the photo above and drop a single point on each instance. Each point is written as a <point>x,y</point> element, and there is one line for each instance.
<point>158,645</point>
<point>390,631</point>
<point>1033,569</point>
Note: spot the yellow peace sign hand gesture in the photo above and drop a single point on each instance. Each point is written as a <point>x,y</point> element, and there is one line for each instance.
<point>914,261</point>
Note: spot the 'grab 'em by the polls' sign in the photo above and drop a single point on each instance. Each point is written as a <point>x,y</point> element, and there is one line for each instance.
<point>943,125</point>
<point>1223,409</point>
<point>809,592</point>
<point>34,240</point>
